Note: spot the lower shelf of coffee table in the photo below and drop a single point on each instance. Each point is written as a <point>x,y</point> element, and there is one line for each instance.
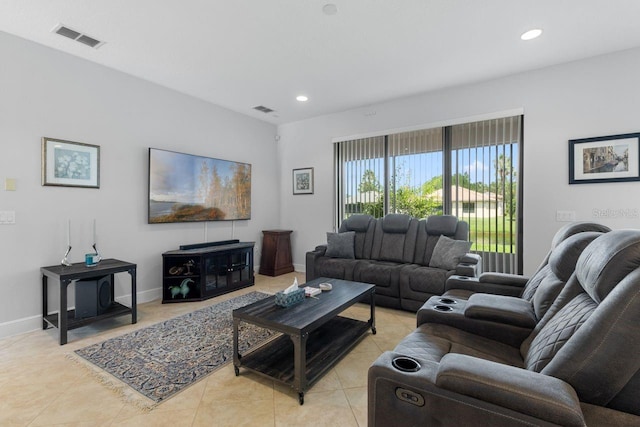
<point>325,347</point>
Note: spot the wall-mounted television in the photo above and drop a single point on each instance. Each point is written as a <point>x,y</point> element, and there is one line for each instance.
<point>185,188</point>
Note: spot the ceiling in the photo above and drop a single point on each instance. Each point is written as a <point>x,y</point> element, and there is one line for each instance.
<point>244,53</point>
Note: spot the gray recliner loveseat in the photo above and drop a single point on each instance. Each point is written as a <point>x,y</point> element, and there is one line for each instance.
<point>509,319</point>
<point>516,285</point>
<point>579,366</point>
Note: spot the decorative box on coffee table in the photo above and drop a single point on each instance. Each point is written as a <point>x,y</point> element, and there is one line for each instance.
<point>202,271</point>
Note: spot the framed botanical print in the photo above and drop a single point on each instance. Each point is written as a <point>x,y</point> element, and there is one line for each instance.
<point>70,164</point>
<point>303,181</point>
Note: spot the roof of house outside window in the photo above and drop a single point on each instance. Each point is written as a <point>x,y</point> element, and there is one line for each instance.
<point>461,194</point>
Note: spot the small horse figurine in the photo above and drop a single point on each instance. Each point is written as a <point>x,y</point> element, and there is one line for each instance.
<point>182,289</point>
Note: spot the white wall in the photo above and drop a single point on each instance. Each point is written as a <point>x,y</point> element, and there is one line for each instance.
<point>48,93</point>
<point>594,97</point>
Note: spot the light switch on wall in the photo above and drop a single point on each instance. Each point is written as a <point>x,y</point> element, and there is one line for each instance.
<point>565,216</point>
<point>10,184</point>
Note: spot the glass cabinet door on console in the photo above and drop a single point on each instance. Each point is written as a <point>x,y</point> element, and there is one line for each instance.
<point>241,267</point>
<point>207,271</point>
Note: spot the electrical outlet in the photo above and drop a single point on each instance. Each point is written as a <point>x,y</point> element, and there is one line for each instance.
<point>565,216</point>
<point>7,217</point>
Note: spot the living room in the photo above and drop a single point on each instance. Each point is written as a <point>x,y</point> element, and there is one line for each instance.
<point>49,93</point>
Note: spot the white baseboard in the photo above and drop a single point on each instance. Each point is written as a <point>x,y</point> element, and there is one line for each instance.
<point>33,323</point>
<point>142,297</point>
<point>20,326</point>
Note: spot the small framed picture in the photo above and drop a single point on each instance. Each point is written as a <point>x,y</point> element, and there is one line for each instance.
<point>614,158</point>
<point>303,181</point>
<point>70,164</point>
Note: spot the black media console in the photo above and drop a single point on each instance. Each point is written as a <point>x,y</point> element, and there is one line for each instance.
<point>204,270</point>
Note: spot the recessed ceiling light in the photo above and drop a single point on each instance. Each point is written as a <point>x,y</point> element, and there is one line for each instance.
<point>329,9</point>
<point>531,34</point>
<point>302,98</point>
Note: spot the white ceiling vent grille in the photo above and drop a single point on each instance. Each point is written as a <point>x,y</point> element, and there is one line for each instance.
<point>263,109</point>
<point>77,36</point>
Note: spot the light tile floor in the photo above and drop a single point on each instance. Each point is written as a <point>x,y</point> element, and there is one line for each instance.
<point>40,386</point>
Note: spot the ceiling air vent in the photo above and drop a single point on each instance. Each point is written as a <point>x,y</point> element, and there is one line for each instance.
<point>67,32</point>
<point>88,41</point>
<point>77,36</point>
<point>263,109</point>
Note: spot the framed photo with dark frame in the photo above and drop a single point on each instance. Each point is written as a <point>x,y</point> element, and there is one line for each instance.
<point>614,158</point>
<point>303,181</point>
<point>70,164</point>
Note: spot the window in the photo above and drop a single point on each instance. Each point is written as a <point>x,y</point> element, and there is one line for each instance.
<point>468,207</point>
<point>468,170</point>
<point>485,158</point>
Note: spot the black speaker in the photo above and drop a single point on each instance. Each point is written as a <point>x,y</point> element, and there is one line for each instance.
<point>93,297</point>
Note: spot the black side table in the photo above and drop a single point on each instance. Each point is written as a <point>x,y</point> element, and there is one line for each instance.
<point>65,320</point>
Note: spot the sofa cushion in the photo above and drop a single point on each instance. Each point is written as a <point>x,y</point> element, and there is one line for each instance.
<point>395,223</point>
<point>442,224</point>
<point>357,223</point>
<point>384,275</point>
<point>335,267</point>
<point>363,226</point>
<point>395,238</point>
<point>599,274</point>
<point>422,280</point>
<point>558,330</point>
<point>341,245</point>
<point>544,288</point>
<point>447,253</point>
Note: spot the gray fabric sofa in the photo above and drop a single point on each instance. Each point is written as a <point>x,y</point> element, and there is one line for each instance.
<point>579,366</point>
<point>400,255</point>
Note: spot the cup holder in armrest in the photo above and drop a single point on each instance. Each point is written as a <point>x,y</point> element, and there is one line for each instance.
<point>447,301</point>
<point>462,278</point>
<point>441,307</point>
<point>405,364</point>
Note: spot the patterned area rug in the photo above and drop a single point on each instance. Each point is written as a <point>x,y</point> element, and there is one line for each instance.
<point>162,359</point>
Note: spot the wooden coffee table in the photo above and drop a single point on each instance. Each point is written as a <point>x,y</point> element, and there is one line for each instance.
<point>314,336</point>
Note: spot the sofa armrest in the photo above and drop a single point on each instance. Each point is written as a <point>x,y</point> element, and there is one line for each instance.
<point>476,284</point>
<point>508,326</point>
<point>470,265</point>
<point>310,261</point>
<point>504,279</point>
<point>502,309</point>
<point>320,250</point>
<point>527,392</point>
<point>421,400</point>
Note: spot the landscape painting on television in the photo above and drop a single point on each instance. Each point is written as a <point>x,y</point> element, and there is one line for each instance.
<point>185,187</point>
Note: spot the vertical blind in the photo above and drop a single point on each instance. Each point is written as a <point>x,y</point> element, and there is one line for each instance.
<point>352,160</point>
<point>469,170</point>
<point>487,196</point>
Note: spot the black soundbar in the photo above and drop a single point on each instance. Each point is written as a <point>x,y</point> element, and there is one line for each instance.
<point>205,245</point>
